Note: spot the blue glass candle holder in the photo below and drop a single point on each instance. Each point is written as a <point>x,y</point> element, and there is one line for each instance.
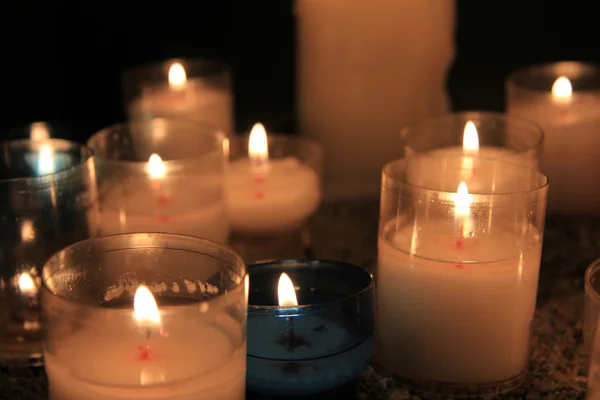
<point>319,346</point>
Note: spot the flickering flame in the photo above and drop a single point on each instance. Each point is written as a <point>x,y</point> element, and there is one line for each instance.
<point>258,147</point>
<point>562,89</point>
<point>156,167</point>
<point>39,131</point>
<point>286,292</point>
<point>145,309</point>
<point>26,284</point>
<point>46,159</point>
<point>470,139</point>
<point>177,76</point>
<point>27,231</point>
<point>462,200</point>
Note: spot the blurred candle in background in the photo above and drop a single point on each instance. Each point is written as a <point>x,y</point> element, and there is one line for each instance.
<point>365,70</point>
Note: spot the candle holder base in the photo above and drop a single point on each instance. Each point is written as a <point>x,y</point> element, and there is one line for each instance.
<point>345,392</point>
<point>280,246</point>
<point>457,390</point>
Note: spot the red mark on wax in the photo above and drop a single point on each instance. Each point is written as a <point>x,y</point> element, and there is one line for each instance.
<point>144,353</point>
<point>259,179</point>
<point>160,199</point>
<point>259,195</point>
<point>459,244</point>
<point>458,266</point>
<point>164,218</point>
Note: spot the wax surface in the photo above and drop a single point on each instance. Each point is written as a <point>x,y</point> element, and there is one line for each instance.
<point>99,364</point>
<point>571,150</point>
<point>278,200</point>
<point>455,311</point>
<point>196,103</point>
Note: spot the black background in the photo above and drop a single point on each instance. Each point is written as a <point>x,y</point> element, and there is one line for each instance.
<point>62,60</point>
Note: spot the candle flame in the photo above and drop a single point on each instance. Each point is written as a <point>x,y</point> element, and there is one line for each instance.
<point>27,231</point>
<point>286,292</point>
<point>258,146</point>
<point>26,284</point>
<point>46,159</point>
<point>145,309</point>
<point>462,200</point>
<point>177,76</point>
<point>156,167</point>
<point>39,132</point>
<point>562,89</point>
<point>470,139</point>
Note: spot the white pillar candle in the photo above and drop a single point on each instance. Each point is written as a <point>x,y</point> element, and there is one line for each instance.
<point>570,119</point>
<point>267,195</point>
<point>185,360</point>
<point>165,202</point>
<point>366,69</point>
<point>191,99</point>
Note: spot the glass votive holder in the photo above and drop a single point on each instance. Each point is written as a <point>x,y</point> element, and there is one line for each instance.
<point>564,99</point>
<point>591,305</point>
<point>40,130</point>
<point>197,90</point>
<point>47,201</point>
<point>475,134</point>
<point>273,188</point>
<point>184,338</point>
<point>457,278</point>
<point>161,176</point>
<point>310,333</point>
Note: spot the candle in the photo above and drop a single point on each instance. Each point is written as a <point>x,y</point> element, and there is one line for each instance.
<point>203,98</point>
<point>460,288</point>
<point>182,337</point>
<point>301,339</point>
<point>365,70</point>
<point>545,95</point>
<point>162,203</point>
<point>267,195</point>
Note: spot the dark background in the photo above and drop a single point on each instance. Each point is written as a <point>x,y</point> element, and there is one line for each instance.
<point>62,60</point>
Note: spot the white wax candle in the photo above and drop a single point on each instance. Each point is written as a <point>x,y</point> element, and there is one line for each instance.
<point>366,69</point>
<point>279,198</point>
<point>197,360</point>
<point>455,311</point>
<point>571,147</point>
<point>193,101</point>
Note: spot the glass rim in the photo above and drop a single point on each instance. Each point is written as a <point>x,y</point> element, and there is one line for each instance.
<point>313,307</point>
<point>589,271</point>
<point>165,310</point>
<point>405,133</point>
<point>386,176</point>
<point>151,68</point>
<point>551,69</point>
<point>217,134</point>
<point>89,153</point>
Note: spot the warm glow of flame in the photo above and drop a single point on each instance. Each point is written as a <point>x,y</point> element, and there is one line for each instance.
<point>286,292</point>
<point>46,159</point>
<point>470,139</point>
<point>26,284</point>
<point>145,308</point>
<point>177,76</point>
<point>258,146</point>
<point>27,231</point>
<point>39,131</point>
<point>462,200</point>
<point>156,167</point>
<point>562,89</point>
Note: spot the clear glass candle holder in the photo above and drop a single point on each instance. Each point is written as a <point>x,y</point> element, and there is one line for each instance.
<point>496,135</point>
<point>591,304</point>
<point>457,276</point>
<point>271,203</point>
<point>197,90</point>
<point>186,341</point>
<point>39,130</point>
<point>318,345</point>
<point>161,176</point>
<point>47,201</point>
<point>563,98</point>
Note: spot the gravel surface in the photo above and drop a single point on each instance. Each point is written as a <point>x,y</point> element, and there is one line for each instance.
<point>348,232</point>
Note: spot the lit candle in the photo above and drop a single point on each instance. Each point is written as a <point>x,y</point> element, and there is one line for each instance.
<point>456,290</point>
<point>163,202</point>
<point>267,195</point>
<point>184,98</point>
<point>175,359</point>
<point>564,99</point>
